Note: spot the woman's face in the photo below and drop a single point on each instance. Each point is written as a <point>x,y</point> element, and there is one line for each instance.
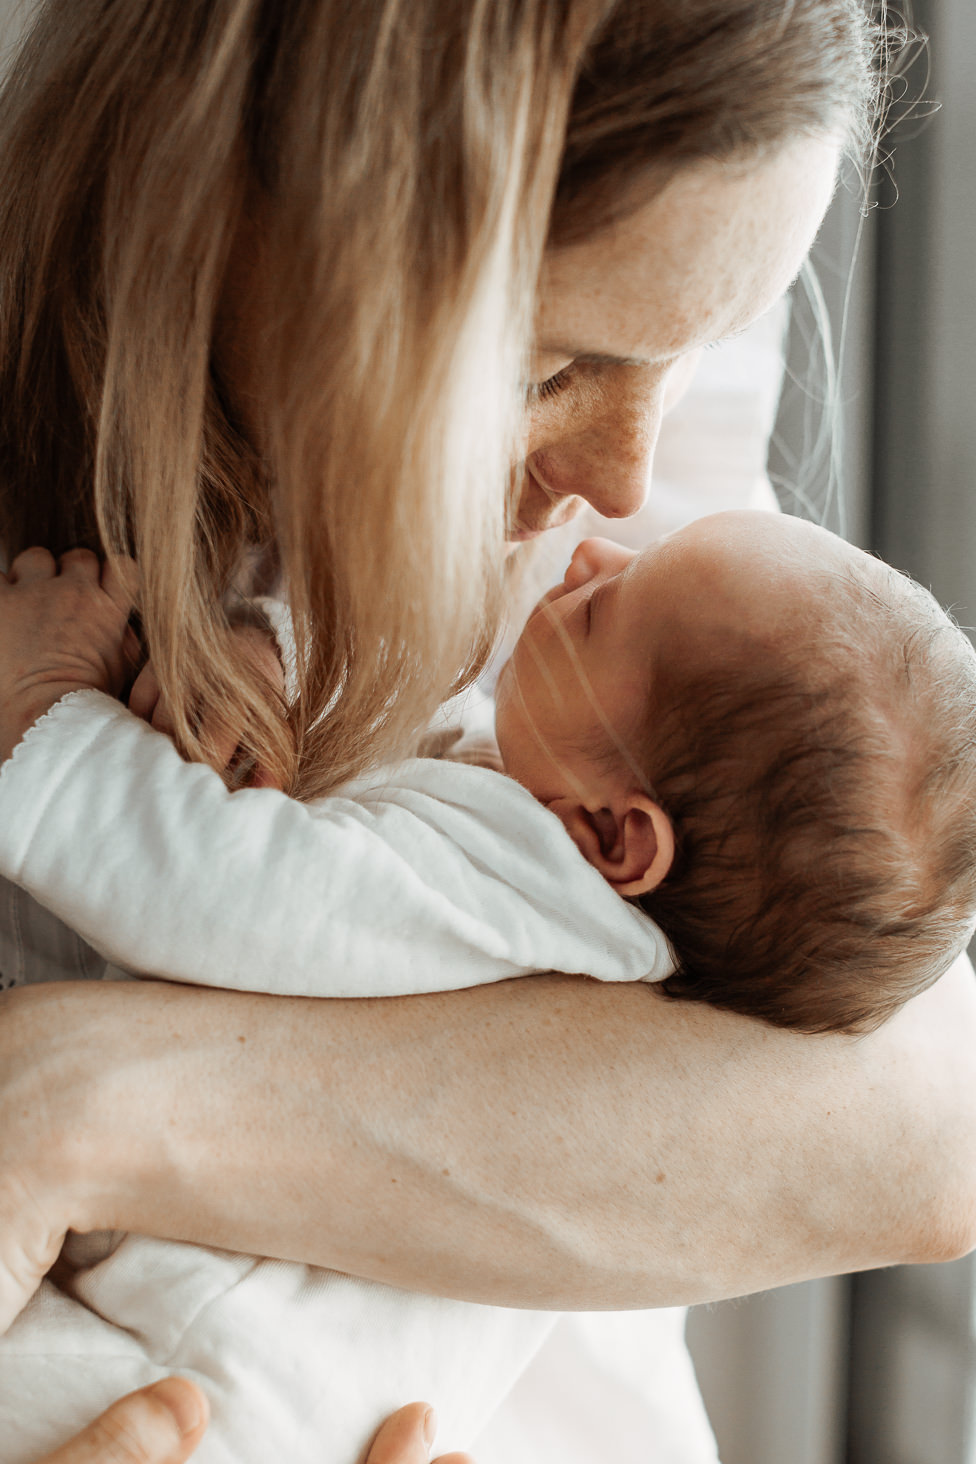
<point>621,313</point>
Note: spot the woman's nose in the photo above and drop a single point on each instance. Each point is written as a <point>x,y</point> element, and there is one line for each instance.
<point>606,458</point>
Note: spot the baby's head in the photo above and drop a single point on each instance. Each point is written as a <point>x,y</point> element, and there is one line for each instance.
<point>769,738</point>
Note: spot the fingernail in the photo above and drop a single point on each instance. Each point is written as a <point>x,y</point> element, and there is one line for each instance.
<point>185,1404</point>
<point>430,1427</point>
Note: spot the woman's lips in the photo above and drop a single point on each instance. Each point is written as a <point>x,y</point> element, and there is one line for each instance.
<point>551,512</point>
<point>523,532</point>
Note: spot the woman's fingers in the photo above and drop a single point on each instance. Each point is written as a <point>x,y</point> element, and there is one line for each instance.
<point>165,1423</point>
<point>158,1425</point>
<point>406,1438</point>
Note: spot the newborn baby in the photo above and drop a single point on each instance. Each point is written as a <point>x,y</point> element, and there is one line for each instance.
<point>768,738</point>
<point>753,732</point>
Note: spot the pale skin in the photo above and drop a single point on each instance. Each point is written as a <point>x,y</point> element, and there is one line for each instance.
<point>657,1152</point>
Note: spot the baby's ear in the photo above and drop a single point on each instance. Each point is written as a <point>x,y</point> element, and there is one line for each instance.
<point>630,843</point>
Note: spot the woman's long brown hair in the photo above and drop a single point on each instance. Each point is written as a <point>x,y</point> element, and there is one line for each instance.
<point>404,163</point>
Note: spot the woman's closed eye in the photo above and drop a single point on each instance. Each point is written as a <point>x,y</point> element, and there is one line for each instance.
<point>552,386</point>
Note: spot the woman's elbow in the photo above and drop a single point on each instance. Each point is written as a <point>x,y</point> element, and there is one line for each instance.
<point>931,1102</point>
<point>946,1222</point>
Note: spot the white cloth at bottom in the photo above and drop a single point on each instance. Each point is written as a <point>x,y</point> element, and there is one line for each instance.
<point>605,1388</point>
<point>299,1364</point>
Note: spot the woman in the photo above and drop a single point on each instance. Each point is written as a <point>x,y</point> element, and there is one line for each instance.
<point>276,249</point>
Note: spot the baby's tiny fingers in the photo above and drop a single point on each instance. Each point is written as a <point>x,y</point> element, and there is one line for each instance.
<point>144,695</point>
<point>32,564</point>
<point>79,564</point>
<point>162,717</point>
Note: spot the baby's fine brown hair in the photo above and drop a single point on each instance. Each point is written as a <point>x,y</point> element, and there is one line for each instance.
<point>824,806</point>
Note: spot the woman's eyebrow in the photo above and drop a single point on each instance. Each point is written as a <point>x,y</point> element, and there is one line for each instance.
<point>593,358</point>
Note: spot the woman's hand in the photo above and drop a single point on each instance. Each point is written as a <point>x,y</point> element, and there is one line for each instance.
<point>163,1425</point>
<point>63,626</point>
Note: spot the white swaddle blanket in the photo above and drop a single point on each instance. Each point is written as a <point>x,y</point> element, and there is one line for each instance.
<point>439,875</point>
<point>429,877</point>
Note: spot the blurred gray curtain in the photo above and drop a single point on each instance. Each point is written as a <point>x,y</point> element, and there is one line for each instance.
<point>913,1339</point>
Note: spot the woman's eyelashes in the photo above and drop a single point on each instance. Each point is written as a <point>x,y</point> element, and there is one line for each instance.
<point>541,391</point>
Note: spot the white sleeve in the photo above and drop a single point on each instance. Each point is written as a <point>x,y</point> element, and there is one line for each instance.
<point>442,877</point>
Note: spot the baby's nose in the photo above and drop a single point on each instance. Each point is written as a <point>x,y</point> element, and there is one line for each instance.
<point>584,564</point>
<point>593,557</point>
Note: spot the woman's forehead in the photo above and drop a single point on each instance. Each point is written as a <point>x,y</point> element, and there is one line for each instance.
<point>704,257</point>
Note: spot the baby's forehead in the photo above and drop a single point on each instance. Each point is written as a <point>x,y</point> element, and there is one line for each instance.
<point>760,535</point>
<point>735,586</point>
<point>763,556</point>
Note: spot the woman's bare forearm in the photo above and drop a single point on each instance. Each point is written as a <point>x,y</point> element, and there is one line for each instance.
<point>546,1142</point>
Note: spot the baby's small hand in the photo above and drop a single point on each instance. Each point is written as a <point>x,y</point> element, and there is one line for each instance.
<point>63,627</point>
<point>480,752</point>
<point>148,702</point>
